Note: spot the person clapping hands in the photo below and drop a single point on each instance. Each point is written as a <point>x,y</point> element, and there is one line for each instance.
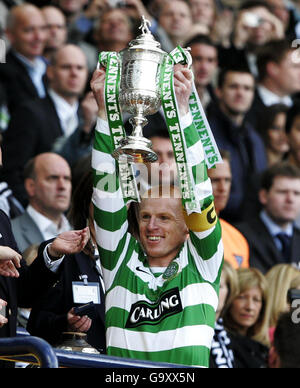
<point>66,243</point>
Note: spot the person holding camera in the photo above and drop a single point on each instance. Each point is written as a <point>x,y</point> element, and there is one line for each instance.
<point>255,25</point>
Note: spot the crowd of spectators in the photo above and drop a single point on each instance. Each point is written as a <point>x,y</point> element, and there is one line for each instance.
<point>246,67</point>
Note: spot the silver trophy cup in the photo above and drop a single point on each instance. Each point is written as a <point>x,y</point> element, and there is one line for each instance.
<point>139,93</point>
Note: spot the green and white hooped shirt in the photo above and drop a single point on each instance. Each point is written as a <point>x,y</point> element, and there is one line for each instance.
<point>163,317</point>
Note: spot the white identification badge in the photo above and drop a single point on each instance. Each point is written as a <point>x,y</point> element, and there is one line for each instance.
<point>85,293</point>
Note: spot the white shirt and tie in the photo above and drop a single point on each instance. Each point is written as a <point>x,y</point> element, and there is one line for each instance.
<point>48,228</point>
<point>68,118</point>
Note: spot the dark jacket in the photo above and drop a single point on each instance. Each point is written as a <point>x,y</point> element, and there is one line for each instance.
<point>248,353</point>
<point>17,82</point>
<point>24,290</point>
<point>263,251</point>
<point>33,129</point>
<point>248,156</point>
<point>48,318</point>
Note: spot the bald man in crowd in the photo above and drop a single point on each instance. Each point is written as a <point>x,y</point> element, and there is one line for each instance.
<point>21,285</point>
<point>42,125</point>
<point>22,74</point>
<point>48,186</point>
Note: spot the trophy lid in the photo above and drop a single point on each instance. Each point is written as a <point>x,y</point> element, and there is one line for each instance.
<point>146,40</point>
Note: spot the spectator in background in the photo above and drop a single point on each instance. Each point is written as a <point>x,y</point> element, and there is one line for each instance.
<point>48,185</point>
<point>271,234</point>
<point>79,144</point>
<point>176,19</point>
<point>254,26</point>
<point>54,313</point>
<point>205,65</point>
<point>8,202</point>
<point>233,133</point>
<point>50,121</point>
<point>112,32</point>
<point>221,354</point>
<point>154,7</point>
<point>285,13</point>
<point>279,77</point>
<point>236,249</point>
<point>271,127</point>
<point>279,278</point>
<point>78,24</point>
<point>204,12</point>
<point>57,30</point>
<point>22,74</point>
<point>293,135</point>
<point>162,146</point>
<point>4,10</point>
<point>135,9</point>
<point>292,129</point>
<point>285,352</point>
<point>245,320</point>
<point>25,284</point>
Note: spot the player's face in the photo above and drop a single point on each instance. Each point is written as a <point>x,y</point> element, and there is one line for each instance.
<point>162,229</point>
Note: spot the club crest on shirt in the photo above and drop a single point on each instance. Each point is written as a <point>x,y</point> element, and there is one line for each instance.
<point>142,312</point>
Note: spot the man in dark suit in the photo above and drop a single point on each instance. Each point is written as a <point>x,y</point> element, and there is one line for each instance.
<point>23,72</point>
<point>279,77</point>
<point>205,64</point>
<point>54,312</point>
<point>43,125</point>
<point>233,133</point>
<point>21,285</point>
<point>272,236</point>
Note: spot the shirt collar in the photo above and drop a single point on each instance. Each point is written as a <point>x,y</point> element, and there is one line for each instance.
<point>270,98</point>
<point>62,106</point>
<point>273,228</point>
<point>38,64</point>
<point>65,111</point>
<point>47,227</point>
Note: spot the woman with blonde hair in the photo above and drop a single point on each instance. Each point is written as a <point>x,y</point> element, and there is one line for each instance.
<point>279,278</point>
<point>245,319</point>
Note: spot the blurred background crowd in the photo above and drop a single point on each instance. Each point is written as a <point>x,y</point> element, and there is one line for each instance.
<point>246,64</point>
